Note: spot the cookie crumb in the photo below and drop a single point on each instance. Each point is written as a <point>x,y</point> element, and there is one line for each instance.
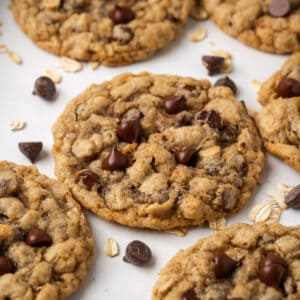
<point>69,65</point>
<point>54,76</point>
<point>177,231</point>
<point>256,84</point>
<point>217,224</point>
<point>16,125</point>
<point>93,65</point>
<point>15,57</point>
<point>198,35</point>
<point>111,247</point>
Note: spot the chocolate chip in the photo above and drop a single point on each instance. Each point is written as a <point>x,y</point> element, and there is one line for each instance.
<point>288,87</point>
<point>137,253</point>
<point>31,149</point>
<point>279,8</point>
<point>45,88</point>
<point>185,155</point>
<point>292,199</point>
<point>88,178</point>
<point>6,265</point>
<point>224,265</point>
<point>211,117</point>
<point>273,270</point>
<point>203,115</point>
<point>174,104</point>
<point>229,133</point>
<point>189,295</point>
<point>121,14</point>
<point>130,131</point>
<point>115,160</point>
<point>226,81</point>
<point>213,64</point>
<point>38,238</point>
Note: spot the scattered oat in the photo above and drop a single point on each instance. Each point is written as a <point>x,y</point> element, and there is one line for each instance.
<point>51,3</point>
<point>261,212</point>
<point>177,231</point>
<point>275,214</point>
<point>217,224</point>
<point>54,76</point>
<point>16,125</point>
<point>93,65</point>
<point>256,84</point>
<point>111,247</point>
<point>69,65</point>
<point>198,35</point>
<point>14,57</point>
<point>3,48</point>
<point>227,68</point>
<point>278,195</point>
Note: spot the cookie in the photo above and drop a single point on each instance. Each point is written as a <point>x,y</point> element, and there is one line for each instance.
<point>285,83</point>
<point>241,262</point>
<point>45,242</point>
<point>261,24</point>
<point>158,151</point>
<point>111,32</point>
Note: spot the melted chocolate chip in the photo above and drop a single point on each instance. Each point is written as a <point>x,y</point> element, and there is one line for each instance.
<point>189,295</point>
<point>121,14</point>
<point>88,178</point>
<point>185,155</point>
<point>213,64</point>
<point>45,88</point>
<point>130,131</point>
<point>174,104</point>
<point>292,199</point>
<point>115,160</point>
<point>273,270</point>
<point>31,149</point>
<point>224,265</point>
<point>226,81</point>
<point>288,87</point>
<point>137,253</point>
<point>229,133</point>
<point>279,8</point>
<point>38,238</point>
<point>214,120</point>
<point>6,265</point>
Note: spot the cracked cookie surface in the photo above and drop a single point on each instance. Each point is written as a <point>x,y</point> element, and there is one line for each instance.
<point>46,245</point>
<point>251,22</point>
<point>112,32</point>
<point>241,262</point>
<point>158,151</point>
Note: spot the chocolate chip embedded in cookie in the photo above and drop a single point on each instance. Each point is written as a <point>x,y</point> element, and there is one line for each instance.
<point>158,151</point>
<point>240,262</point>
<point>267,25</point>
<point>108,31</point>
<point>45,243</point>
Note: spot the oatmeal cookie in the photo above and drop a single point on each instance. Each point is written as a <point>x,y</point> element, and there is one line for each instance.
<point>158,151</point>
<point>109,31</point>
<point>266,25</point>
<point>241,262</point>
<point>46,245</point>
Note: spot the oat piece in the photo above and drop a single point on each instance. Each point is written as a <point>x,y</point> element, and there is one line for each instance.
<point>242,261</point>
<point>69,65</point>
<point>54,76</point>
<point>158,151</point>
<point>46,244</point>
<point>93,65</point>
<point>198,35</point>
<point>108,31</point>
<point>17,125</point>
<point>217,224</point>
<point>17,59</point>
<point>111,247</point>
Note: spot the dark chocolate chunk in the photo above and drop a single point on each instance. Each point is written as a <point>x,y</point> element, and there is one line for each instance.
<point>137,253</point>
<point>213,64</point>
<point>88,178</point>
<point>121,14</point>
<point>226,81</point>
<point>288,87</point>
<point>6,265</point>
<point>280,8</point>
<point>292,199</point>
<point>130,131</point>
<point>189,295</point>
<point>174,104</point>
<point>224,265</point>
<point>45,88</point>
<point>273,270</point>
<point>211,117</point>
<point>229,133</point>
<point>115,160</point>
<point>185,155</point>
<point>31,149</point>
<point>37,237</point>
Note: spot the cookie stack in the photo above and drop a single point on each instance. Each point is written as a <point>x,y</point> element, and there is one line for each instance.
<point>155,151</point>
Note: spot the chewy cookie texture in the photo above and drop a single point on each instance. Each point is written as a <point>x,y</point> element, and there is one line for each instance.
<point>112,32</point>
<point>46,245</point>
<point>279,120</point>
<point>268,25</point>
<point>158,151</point>
<point>241,262</point>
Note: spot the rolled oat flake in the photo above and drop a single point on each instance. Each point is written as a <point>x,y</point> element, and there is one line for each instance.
<point>137,253</point>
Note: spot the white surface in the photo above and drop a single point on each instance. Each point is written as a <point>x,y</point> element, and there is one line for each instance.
<point>111,278</point>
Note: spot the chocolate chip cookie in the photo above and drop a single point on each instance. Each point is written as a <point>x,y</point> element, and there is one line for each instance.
<point>268,25</point>
<point>241,262</point>
<point>112,32</point>
<point>279,120</point>
<point>45,243</point>
<point>158,151</point>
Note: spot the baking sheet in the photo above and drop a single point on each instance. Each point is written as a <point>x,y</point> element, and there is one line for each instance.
<point>111,278</point>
